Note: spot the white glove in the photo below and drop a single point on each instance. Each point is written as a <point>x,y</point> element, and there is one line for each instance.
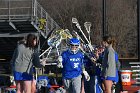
<point>87,77</point>
<point>43,61</point>
<point>59,64</point>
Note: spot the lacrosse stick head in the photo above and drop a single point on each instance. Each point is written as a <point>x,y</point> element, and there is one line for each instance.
<point>54,41</point>
<point>87,26</point>
<point>74,20</point>
<point>64,33</point>
<point>67,34</point>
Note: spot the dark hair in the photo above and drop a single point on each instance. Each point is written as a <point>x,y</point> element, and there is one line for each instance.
<point>30,39</point>
<point>21,40</point>
<point>110,40</point>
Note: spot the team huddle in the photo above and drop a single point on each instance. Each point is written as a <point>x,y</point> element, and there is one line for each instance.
<point>83,71</point>
<point>103,72</point>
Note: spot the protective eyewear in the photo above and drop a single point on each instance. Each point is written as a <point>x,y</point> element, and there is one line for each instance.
<point>74,45</point>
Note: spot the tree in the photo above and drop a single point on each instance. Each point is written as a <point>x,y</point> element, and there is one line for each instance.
<point>121,20</point>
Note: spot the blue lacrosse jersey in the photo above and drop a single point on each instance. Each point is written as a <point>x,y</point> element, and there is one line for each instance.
<point>72,64</point>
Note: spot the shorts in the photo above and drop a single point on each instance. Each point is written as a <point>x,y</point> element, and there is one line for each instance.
<point>22,76</point>
<point>114,79</point>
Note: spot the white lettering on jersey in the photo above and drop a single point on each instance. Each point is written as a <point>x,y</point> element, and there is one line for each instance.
<point>76,65</point>
<point>75,59</point>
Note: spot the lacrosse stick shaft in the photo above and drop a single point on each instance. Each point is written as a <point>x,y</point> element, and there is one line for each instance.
<point>49,52</point>
<point>89,44</point>
<point>78,36</point>
<point>78,26</point>
<point>45,51</point>
<point>93,59</point>
<point>57,51</point>
<point>89,38</point>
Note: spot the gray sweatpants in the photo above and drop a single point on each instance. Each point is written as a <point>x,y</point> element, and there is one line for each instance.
<point>73,85</point>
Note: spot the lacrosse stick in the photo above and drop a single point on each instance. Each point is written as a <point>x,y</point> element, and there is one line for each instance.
<point>75,21</point>
<point>87,26</point>
<point>55,39</point>
<point>78,36</point>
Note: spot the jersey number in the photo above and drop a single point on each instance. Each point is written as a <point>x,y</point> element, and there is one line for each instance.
<point>76,65</point>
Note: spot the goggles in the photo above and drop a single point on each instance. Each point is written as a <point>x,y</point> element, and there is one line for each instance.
<point>74,45</point>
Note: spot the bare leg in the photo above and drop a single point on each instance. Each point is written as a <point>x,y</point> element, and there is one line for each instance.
<point>108,85</point>
<point>82,87</point>
<point>33,86</point>
<point>19,86</point>
<point>103,86</point>
<point>27,86</point>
